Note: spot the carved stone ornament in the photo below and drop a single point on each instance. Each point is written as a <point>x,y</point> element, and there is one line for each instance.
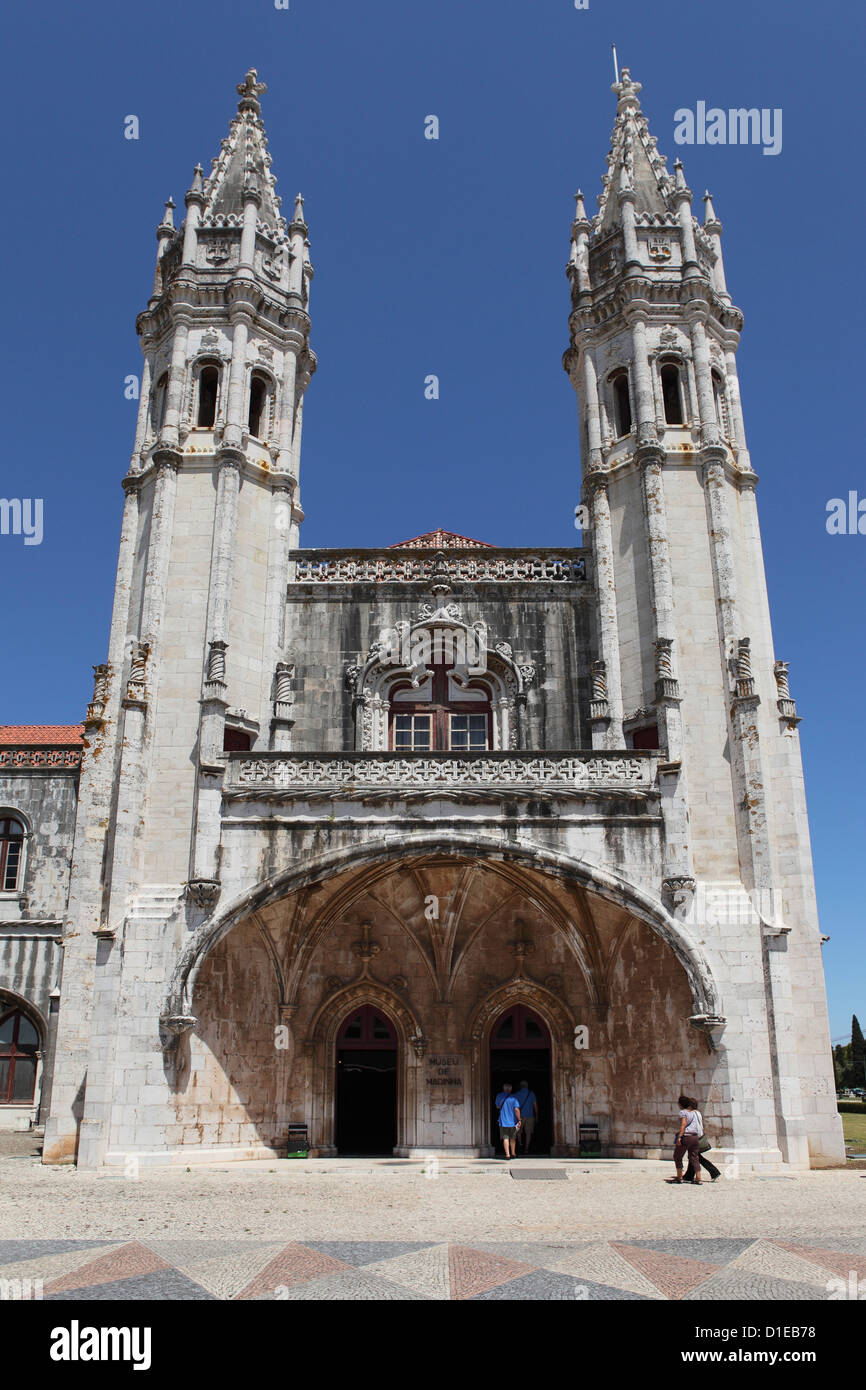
<point>204,892</point>
<point>172,1028</point>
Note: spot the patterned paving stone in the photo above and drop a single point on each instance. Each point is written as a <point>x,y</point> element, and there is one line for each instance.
<point>52,1266</point>
<point>295,1264</point>
<point>601,1264</point>
<point>765,1257</point>
<point>716,1252</point>
<point>124,1262</point>
<point>734,1283</point>
<point>855,1245</point>
<point>541,1285</point>
<point>228,1275</point>
<point>355,1286</point>
<point>476,1271</point>
<point>165,1285</point>
<point>533,1253</point>
<point>837,1261</point>
<point>11,1250</point>
<point>673,1275</point>
<point>426,1271</point>
<point>365,1252</point>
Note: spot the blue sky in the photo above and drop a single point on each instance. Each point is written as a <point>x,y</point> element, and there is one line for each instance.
<point>442,257</point>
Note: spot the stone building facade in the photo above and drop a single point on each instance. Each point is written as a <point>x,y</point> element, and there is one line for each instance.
<point>363,833</point>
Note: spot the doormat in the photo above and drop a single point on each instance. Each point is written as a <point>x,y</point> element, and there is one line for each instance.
<point>541,1174</point>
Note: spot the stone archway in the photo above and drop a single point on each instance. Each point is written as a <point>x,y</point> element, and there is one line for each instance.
<point>507,928</point>
<point>561,1026</point>
<point>319,1047</point>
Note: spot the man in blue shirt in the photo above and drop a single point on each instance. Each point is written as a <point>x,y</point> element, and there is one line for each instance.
<point>509,1119</point>
<point>528,1104</point>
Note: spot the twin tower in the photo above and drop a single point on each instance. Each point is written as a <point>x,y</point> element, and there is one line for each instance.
<point>630,796</point>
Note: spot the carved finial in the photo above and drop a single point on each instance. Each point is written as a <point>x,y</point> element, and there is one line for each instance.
<point>579,209</point>
<point>168,216</point>
<point>627,91</point>
<point>710,219</point>
<point>249,91</point>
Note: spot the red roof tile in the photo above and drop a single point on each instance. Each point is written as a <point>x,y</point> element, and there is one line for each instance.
<point>41,734</point>
<point>441,540</point>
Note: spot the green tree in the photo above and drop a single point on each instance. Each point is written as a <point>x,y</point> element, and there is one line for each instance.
<point>858,1053</point>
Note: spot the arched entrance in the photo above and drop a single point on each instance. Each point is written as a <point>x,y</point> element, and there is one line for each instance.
<point>366,1083</point>
<point>520,1051</point>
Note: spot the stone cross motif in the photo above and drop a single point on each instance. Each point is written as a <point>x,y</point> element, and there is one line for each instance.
<point>250,89</point>
<point>365,949</point>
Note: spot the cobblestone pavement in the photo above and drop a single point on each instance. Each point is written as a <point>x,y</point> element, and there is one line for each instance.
<point>452,1229</point>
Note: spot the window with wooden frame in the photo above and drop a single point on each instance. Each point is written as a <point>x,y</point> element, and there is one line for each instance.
<point>19,1045</point>
<point>432,719</point>
<point>11,854</point>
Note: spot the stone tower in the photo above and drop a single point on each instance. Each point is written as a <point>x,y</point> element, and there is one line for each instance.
<point>685,649</point>
<point>196,661</point>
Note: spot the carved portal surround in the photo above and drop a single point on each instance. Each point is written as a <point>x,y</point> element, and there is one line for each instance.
<point>567,1069</point>
<point>496,668</point>
<point>320,1047</point>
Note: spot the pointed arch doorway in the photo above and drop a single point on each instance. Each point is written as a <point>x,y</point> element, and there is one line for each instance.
<point>366,1090</point>
<point>520,1051</point>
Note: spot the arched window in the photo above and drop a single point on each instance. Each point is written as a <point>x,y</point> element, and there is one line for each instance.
<point>671,394</point>
<point>208,386</point>
<point>621,405</point>
<point>160,400</point>
<point>258,405</point>
<point>11,854</point>
<point>19,1044</point>
<point>367,1028</point>
<point>520,1027</point>
<point>440,717</point>
<point>720,403</point>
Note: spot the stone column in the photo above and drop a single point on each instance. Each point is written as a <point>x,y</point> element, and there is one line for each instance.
<point>608,623</point>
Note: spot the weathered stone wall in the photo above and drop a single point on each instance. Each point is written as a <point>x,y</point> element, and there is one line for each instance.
<point>331,626</point>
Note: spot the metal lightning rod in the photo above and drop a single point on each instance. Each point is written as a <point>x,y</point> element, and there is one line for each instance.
<point>615,65</point>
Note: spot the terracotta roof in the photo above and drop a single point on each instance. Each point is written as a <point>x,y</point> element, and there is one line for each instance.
<point>441,540</point>
<point>41,734</point>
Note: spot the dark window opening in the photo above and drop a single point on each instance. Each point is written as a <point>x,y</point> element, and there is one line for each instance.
<point>671,395</point>
<point>236,741</point>
<point>622,405</point>
<point>258,396</point>
<point>208,383</point>
<point>648,737</point>
<point>160,400</point>
<point>19,1044</point>
<point>11,853</point>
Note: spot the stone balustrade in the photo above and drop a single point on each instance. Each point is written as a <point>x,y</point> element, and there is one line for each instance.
<point>529,773</point>
<point>399,566</point>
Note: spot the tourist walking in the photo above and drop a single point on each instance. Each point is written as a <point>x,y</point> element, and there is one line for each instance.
<point>509,1119</point>
<point>528,1104</point>
<point>689,1136</point>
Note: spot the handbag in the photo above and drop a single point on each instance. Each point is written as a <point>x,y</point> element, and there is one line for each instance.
<point>704,1146</point>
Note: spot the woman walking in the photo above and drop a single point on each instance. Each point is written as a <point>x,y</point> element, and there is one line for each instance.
<point>691,1132</point>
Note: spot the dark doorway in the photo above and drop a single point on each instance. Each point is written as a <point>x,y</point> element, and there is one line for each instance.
<point>366,1092</point>
<point>520,1051</point>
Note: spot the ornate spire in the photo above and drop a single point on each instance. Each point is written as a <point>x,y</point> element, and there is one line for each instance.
<point>242,166</point>
<point>634,163</point>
